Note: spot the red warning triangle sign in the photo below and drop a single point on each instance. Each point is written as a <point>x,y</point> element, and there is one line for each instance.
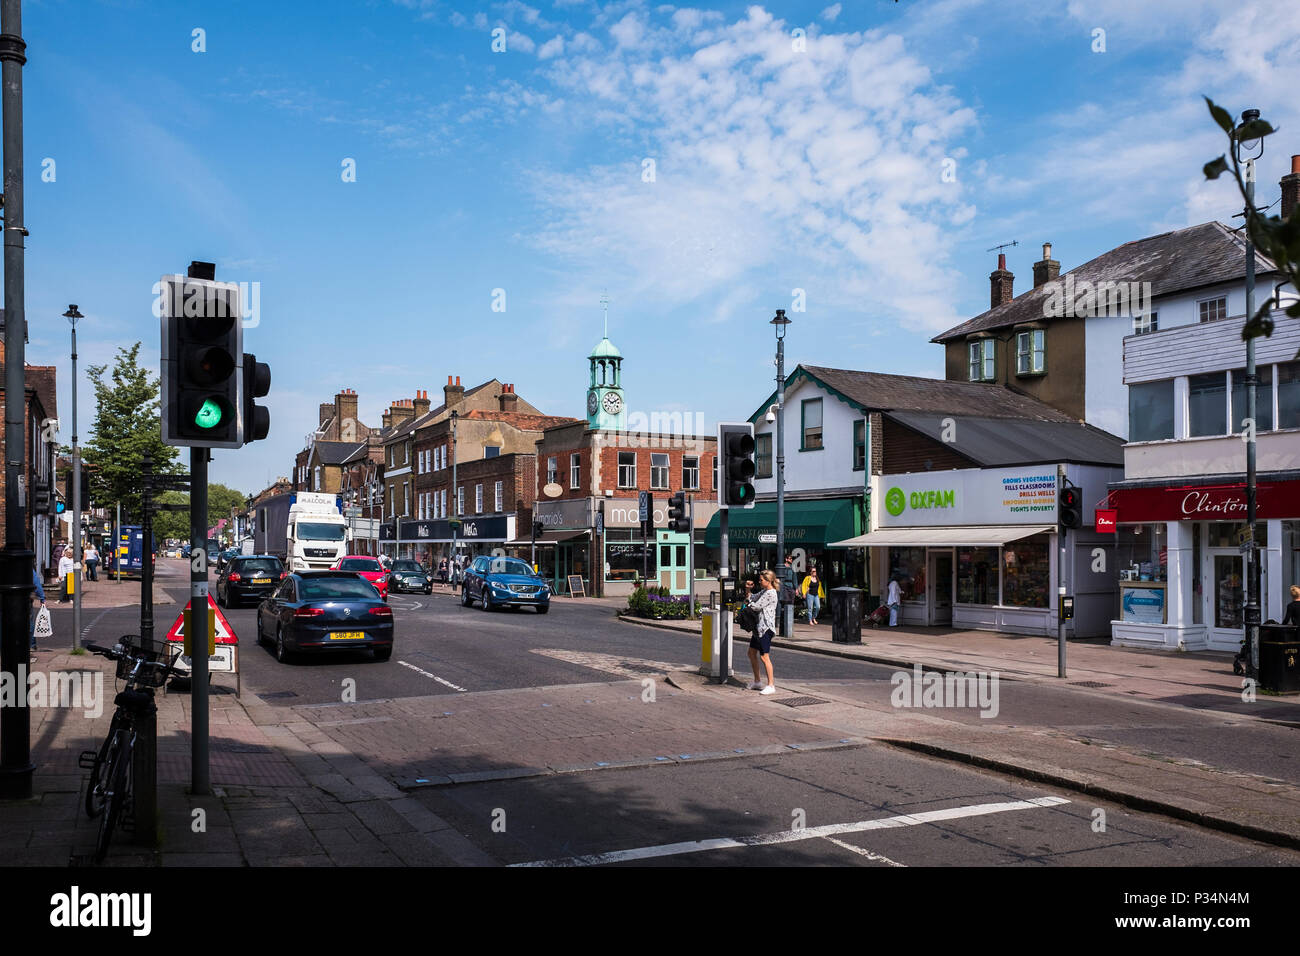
<point>225,633</point>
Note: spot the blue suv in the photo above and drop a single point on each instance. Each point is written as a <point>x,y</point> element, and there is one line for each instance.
<point>504,582</point>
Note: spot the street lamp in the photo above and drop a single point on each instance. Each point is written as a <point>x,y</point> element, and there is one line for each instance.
<point>1247,151</point>
<point>455,501</point>
<point>779,323</point>
<point>72,315</point>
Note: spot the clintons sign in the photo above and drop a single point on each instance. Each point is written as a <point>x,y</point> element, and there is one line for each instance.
<point>1273,499</point>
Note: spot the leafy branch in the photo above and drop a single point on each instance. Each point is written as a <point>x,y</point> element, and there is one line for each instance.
<point>1274,237</point>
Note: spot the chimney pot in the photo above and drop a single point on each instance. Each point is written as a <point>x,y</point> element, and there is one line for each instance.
<point>458,381</point>
<point>1002,261</point>
<point>1046,269</point>
<point>1000,283</point>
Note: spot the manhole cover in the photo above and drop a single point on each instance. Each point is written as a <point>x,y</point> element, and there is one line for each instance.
<point>278,695</point>
<point>800,701</point>
<point>1089,683</point>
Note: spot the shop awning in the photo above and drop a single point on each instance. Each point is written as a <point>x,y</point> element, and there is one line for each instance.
<point>987,536</point>
<point>548,538</point>
<point>806,523</point>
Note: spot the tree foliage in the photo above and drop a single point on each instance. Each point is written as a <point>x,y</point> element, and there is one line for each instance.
<point>127,425</point>
<point>176,524</point>
<point>1273,236</point>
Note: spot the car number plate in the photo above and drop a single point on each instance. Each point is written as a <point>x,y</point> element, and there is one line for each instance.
<point>348,636</point>
<point>261,580</point>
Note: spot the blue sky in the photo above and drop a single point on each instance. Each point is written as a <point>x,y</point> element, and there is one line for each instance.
<point>777,165</point>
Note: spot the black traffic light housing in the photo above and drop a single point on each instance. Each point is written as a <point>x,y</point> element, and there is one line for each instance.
<point>1070,507</point>
<point>735,465</point>
<point>202,360</point>
<point>254,420</point>
<point>85,489</point>
<point>678,522</point>
<point>538,528</point>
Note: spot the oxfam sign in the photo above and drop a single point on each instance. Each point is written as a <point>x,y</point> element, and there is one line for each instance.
<point>896,501</point>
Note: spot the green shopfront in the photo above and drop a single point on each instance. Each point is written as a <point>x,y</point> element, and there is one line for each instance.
<point>811,525</point>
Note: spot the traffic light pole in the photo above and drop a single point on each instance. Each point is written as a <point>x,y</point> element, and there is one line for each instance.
<point>77,504</point>
<point>690,552</point>
<point>724,612</point>
<point>200,622</point>
<point>1060,578</point>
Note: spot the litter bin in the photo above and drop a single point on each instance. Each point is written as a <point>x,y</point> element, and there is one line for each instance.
<point>846,615</point>
<point>1279,658</point>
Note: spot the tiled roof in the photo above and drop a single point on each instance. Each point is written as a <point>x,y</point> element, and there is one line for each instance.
<point>995,442</point>
<point>1191,258</point>
<point>336,452</point>
<point>521,420</point>
<point>877,391</point>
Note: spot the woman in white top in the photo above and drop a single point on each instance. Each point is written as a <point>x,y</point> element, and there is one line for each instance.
<point>66,567</point>
<point>894,598</point>
<point>760,645</point>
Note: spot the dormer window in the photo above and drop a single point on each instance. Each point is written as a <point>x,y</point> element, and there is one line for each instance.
<point>1031,356</point>
<point>982,365</point>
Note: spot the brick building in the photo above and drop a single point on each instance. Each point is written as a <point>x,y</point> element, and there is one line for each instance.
<point>39,472</point>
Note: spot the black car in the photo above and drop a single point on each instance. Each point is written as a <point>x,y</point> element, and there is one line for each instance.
<point>407,575</point>
<point>325,611</point>
<point>248,576</point>
<point>504,582</point>
<point>223,558</point>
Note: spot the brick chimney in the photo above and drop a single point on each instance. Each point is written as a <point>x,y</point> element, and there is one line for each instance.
<point>1046,269</point>
<point>346,403</point>
<point>453,394</point>
<point>387,419</point>
<point>326,413</point>
<point>1000,283</point>
<point>421,403</point>
<point>508,398</point>
<point>403,410</point>
<point>1291,188</point>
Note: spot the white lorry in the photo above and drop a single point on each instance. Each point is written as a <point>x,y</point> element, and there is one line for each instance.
<point>304,529</point>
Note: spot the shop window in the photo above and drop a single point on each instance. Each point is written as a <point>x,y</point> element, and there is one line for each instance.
<point>625,560</point>
<point>859,444</point>
<point>1031,352</point>
<point>1207,407</point>
<point>1229,591</point>
<point>1151,411</point>
<point>1263,399</point>
<point>763,456</point>
<point>627,469</point>
<point>659,471</point>
<point>982,364</point>
<point>1142,549</point>
<point>977,576</point>
<point>907,565</point>
<point>1288,395</point>
<point>1227,534</point>
<point>812,424</point>
<point>1026,574</point>
<point>691,473</point>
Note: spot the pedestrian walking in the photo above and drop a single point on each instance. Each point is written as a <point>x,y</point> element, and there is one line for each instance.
<point>66,567</point>
<point>760,644</point>
<point>813,594</point>
<point>894,599</point>
<point>92,562</point>
<point>40,595</point>
<point>1292,615</point>
<point>442,569</point>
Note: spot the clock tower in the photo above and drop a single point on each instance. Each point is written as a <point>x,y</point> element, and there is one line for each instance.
<point>605,405</point>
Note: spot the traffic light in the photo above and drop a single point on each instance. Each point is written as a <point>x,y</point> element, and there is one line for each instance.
<point>85,490</point>
<point>538,528</point>
<point>254,420</point>
<point>1070,507</point>
<point>202,359</point>
<point>736,465</point>
<point>677,520</point>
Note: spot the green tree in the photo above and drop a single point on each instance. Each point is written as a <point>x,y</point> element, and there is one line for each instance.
<point>127,425</point>
<point>1273,236</point>
<point>176,524</point>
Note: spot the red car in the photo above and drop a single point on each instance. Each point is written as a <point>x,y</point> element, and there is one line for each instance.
<point>368,568</point>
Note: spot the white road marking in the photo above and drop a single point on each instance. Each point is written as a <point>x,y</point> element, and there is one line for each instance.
<point>420,670</point>
<point>807,833</point>
<point>875,857</point>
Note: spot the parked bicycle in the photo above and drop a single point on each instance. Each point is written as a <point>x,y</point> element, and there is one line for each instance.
<point>109,792</point>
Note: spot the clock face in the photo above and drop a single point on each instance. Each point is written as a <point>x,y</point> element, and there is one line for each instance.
<point>592,402</point>
<point>612,403</point>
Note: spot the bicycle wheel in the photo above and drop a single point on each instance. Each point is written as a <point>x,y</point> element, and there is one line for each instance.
<point>98,784</point>
<point>120,782</point>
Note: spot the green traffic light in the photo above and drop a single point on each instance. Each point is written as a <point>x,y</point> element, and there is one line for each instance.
<point>209,415</point>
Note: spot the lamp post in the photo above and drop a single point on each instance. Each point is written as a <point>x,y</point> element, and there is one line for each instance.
<point>779,323</point>
<point>1248,151</point>
<point>72,315</point>
<point>455,501</point>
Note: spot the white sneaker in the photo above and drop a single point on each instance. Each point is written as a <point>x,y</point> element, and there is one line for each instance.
<point>755,685</point>
<point>769,689</point>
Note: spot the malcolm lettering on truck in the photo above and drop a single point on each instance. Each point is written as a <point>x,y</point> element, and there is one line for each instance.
<point>304,529</point>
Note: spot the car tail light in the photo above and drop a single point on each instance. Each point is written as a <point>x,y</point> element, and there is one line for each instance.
<point>234,576</point>
<point>309,612</point>
<point>382,611</point>
<point>283,575</point>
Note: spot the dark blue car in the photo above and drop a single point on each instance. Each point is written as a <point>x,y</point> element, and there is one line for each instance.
<point>504,582</point>
<point>324,611</point>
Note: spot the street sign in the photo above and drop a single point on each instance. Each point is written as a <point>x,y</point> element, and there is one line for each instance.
<point>1244,536</point>
<point>352,512</point>
<point>767,539</point>
<point>643,506</point>
<point>225,634</point>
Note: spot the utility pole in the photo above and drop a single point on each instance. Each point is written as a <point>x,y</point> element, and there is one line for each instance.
<point>72,315</point>
<point>17,563</point>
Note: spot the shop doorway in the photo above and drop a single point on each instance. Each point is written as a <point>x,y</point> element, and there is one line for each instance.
<point>672,562</point>
<point>1225,597</point>
<point>940,596</point>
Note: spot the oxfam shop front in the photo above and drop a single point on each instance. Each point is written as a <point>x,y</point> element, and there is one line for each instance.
<point>977,549</point>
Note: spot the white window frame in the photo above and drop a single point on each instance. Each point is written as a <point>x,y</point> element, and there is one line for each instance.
<point>443,495</point>
<point>575,470</point>
<point>460,501</point>
<point>552,469</point>
<point>1144,323</point>
<point>406,498</point>
<point>659,473</point>
<point>626,483</point>
<point>1201,308</point>
<point>478,498</point>
<point>982,367</point>
<point>316,485</point>
<point>690,473</point>
<point>499,497</point>
<point>1031,360</point>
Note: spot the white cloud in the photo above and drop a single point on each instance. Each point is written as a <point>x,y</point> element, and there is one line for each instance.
<point>552,47</point>
<point>520,41</point>
<point>832,12</point>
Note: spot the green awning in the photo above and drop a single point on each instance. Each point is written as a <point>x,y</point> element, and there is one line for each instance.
<point>806,523</point>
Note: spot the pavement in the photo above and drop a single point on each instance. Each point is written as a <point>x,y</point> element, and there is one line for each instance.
<point>333,785</point>
<point>107,592</point>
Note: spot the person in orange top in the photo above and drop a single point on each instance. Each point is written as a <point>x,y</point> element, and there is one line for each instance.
<point>813,594</point>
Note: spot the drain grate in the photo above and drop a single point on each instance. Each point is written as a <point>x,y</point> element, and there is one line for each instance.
<point>278,695</point>
<point>1089,683</point>
<point>800,701</point>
